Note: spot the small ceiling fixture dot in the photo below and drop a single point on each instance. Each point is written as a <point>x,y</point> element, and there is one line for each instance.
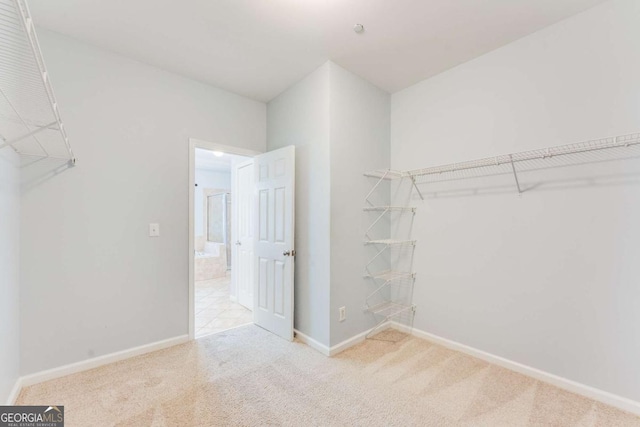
<point>358,28</point>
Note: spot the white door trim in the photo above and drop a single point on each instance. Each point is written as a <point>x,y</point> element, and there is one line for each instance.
<point>193,144</point>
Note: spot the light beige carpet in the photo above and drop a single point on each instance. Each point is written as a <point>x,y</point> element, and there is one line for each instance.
<point>249,377</point>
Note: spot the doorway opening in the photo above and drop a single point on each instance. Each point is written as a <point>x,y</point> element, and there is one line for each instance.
<point>217,216</point>
<point>241,237</point>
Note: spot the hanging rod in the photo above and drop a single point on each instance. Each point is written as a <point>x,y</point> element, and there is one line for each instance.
<point>532,155</point>
<point>30,122</point>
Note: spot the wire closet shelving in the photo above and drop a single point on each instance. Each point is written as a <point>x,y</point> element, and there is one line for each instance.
<point>30,122</point>
<point>598,150</point>
<point>381,301</point>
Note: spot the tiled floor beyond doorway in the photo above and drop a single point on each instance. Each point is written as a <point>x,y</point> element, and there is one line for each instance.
<point>215,312</point>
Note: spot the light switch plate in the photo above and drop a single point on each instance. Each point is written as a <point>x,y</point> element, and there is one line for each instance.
<point>154,230</point>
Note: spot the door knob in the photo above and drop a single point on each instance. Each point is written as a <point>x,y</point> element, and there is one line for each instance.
<point>289,253</point>
<point>238,243</point>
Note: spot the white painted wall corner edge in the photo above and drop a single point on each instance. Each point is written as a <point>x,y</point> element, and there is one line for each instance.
<point>572,386</point>
<point>88,364</point>
<point>340,347</point>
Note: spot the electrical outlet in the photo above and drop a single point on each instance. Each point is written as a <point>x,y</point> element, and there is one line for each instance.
<point>343,313</point>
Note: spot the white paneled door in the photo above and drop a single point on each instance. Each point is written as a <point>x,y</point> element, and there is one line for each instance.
<point>274,222</point>
<point>243,240</point>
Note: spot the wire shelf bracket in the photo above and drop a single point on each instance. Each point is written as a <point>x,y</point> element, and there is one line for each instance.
<point>30,121</point>
<point>515,175</point>
<point>413,181</point>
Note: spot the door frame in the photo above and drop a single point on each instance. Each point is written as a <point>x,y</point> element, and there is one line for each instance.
<point>212,146</point>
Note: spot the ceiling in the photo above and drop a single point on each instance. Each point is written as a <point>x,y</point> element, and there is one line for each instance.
<point>258,48</point>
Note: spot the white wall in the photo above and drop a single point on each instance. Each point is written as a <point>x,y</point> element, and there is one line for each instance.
<point>340,126</point>
<point>207,179</point>
<point>360,131</point>
<point>9,271</point>
<point>300,117</point>
<point>548,279</point>
<point>92,280</point>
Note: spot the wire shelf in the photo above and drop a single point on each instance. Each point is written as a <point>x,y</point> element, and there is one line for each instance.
<point>390,242</point>
<point>388,270</point>
<point>391,275</point>
<point>604,149</point>
<point>390,309</point>
<point>386,174</point>
<point>394,279</point>
<point>389,209</point>
<point>30,122</point>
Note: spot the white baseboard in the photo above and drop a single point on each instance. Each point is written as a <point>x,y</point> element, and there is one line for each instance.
<point>313,343</point>
<point>15,391</point>
<point>95,362</point>
<point>560,382</point>
<point>338,348</point>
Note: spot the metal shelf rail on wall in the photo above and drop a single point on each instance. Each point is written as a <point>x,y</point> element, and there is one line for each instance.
<point>598,150</point>
<point>385,301</point>
<point>30,122</point>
